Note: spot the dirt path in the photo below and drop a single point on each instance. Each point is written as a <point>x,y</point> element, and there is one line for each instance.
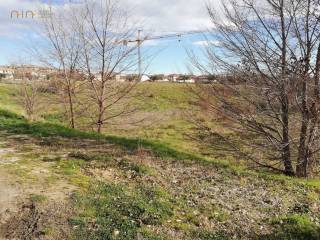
<point>31,195</point>
<point>9,193</point>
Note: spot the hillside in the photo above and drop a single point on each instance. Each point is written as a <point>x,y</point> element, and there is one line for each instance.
<point>58,183</point>
<point>160,120</point>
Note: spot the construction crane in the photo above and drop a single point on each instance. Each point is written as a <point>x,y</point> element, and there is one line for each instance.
<point>140,40</point>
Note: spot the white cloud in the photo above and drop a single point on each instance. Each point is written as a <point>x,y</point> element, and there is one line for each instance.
<point>151,43</point>
<point>156,16</point>
<point>169,16</point>
<point>207,43</point>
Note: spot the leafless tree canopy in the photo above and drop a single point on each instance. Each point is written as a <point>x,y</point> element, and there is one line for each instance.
<point>61,51</point>
<point>28,95</point>
<point>271,50</point>
<point>86,44</point>
<point>103,30</point>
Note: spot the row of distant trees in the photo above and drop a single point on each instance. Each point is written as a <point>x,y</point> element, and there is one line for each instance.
<point>272,47</point>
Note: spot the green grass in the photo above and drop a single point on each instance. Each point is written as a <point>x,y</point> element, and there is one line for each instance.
<point>163,96</point>
<point>156,98</point>
<point>207,235</point>
<point>38,198</point>
<point>294,227</point>
<point>124,211</point>
<point>115,212</point>
<point>8,98</point>
<point>164,102</point>
<point>17,124</point>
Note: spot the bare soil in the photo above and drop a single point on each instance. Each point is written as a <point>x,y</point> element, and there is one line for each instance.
<point>21,216</point>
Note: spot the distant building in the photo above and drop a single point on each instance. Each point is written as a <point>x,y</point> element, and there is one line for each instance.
<point>163,80</point>
<point>191,80</point>
<point>18,72</point>
<point>120,78</point>
<point>186,79</point>
<point>173,77</point>
<point>6,72</point>
<point>145,78</point>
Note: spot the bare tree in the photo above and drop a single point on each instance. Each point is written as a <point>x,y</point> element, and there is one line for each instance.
<point>61,51</point>
<point>28,93</point>
<point>306,31</point>
<point>268,49</point>
<point>104,31</point>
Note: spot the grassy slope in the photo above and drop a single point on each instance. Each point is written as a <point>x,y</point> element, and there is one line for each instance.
<point>152,205</point>
<point>8,98</point>
<point>162,139</point>
<point>19,125</point>
<point>162,100</point>
<point>124,209</point>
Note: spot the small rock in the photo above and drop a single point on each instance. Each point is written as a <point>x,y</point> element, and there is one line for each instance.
<point>115,232</point>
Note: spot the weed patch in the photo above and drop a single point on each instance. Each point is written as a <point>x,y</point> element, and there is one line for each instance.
<point>115,212</point>
<point>297,227</point>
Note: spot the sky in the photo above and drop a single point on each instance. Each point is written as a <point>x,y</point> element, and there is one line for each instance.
<point>156,17</point>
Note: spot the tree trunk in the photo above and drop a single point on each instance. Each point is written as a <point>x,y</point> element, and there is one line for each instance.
<point>286,155</point>
<point>72,121</point>
<point>317,76</point>
<point>303,158</point>
<point>314,112</point>
<point>303,153</point>
<point>100,117</point>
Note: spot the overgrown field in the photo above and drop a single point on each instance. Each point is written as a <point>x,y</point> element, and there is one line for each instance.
<point>138,182</point>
